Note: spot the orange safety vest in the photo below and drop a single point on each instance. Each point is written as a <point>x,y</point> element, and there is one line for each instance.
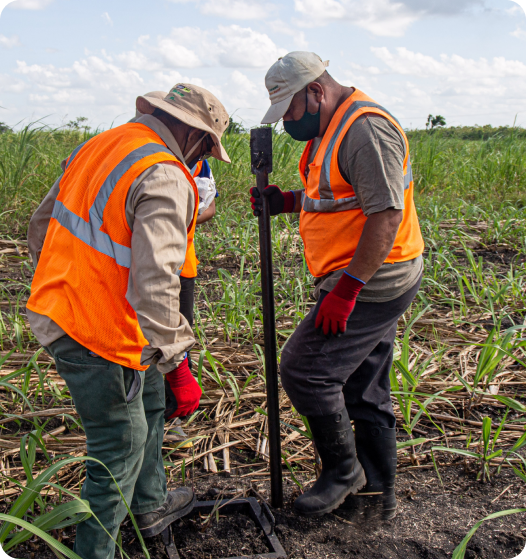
<point>82,276</point>
<point>331,220</point>
<point>190,262</point>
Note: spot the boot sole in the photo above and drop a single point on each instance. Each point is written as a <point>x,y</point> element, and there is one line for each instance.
<point>162,523</point>
<point>355,487</point>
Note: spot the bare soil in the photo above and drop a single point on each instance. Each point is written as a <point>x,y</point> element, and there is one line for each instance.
<point>431,522</point>
<point>432,519</point>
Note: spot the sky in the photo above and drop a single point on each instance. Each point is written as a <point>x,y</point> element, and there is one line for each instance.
<point>61,59</point>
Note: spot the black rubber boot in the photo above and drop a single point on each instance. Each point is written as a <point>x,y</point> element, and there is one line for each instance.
<point>376,450</point>
<point>178,504</point>
<point>341,472</point>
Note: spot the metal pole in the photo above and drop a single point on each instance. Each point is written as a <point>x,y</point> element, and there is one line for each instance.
<point>261,159</point>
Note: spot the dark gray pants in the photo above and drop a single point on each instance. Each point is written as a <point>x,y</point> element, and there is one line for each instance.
<point>322,375</point>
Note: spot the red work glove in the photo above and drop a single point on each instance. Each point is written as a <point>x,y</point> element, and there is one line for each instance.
<point>279,202</point>
<point>182,391</point>
<point>338,305</point>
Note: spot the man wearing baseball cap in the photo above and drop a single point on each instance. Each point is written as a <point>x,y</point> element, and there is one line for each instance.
<point>109,243</point>
<point>364,248</point>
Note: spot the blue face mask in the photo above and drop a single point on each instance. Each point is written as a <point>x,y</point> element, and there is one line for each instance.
<point>307,127</point>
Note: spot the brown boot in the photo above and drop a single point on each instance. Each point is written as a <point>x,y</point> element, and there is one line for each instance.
<point>178,504</point>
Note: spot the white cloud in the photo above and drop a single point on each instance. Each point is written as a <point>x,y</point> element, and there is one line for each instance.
<point>167,80</point>
<point>107,19</point>
<point>229,46</point>
<point>174,52</point>
<point>444,7</point>
<point>514,10</point>
<point>519,33</point>
<point>279,26</point>
<point>380,17</point>
<point>102,85</point>
<point>243,93</point>
<point>30,4</point>
<point>134,60</point>
<point>242,47</point>
<point>411,83</point>
<point>238,9</point>
<point>233,9</point>
<point>87,82</point>
<point>11,84</point>
<point>449,68</point>
<point>36,98</point>
<point>9,42</point>
<point>388,18</point>
<point>47,77</point>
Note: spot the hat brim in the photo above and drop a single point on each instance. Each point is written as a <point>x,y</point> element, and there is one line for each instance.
<point>218,151</point>
<point>277,111</point>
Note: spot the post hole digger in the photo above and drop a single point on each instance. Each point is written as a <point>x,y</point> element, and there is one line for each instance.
<point>261,162</point>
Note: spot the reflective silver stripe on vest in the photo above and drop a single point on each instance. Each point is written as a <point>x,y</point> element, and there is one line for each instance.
<point>89,232</point>
<point>330,206</point>
<point>327,203</point>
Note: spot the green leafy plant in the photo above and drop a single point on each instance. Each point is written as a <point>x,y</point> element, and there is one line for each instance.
<point>460,550</point>
<point>61,515</point>
<point>485,448</point>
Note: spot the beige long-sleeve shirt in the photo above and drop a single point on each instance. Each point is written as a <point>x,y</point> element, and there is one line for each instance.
<point>159,208</point>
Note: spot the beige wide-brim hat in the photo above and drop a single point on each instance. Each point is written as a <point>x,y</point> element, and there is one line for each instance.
<point>151,95</point>
<point>194,106</point>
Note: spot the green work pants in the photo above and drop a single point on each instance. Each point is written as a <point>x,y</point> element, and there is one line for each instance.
<point>124,435</point>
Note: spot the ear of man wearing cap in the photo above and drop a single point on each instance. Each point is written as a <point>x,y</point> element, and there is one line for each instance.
<point>363,245</point>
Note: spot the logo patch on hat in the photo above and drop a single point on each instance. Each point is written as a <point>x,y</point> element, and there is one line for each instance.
<point>183,88</point>
<point>274,90</point>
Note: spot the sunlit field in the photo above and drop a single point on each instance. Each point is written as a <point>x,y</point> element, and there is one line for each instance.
<point>458,379</point>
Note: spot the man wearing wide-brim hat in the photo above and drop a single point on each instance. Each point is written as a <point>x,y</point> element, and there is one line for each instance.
<point>109,243</point>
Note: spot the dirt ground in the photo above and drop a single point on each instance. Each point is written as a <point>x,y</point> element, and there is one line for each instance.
<point>431,522</point>
<point>432,519</point>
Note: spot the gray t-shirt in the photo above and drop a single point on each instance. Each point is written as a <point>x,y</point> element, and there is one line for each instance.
<point>371,159</point>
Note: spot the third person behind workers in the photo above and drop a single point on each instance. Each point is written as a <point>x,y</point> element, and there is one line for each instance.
<point>364,247</point>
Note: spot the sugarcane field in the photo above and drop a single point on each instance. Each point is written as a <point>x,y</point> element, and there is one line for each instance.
<point>263,279</point>
<point>458,378</point>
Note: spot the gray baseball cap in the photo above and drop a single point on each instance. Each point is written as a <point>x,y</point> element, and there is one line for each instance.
<point>286,77</point>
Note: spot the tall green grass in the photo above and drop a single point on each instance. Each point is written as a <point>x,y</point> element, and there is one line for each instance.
<point>29,165</point>
<point>490,171</point>
<point>449,170</point>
